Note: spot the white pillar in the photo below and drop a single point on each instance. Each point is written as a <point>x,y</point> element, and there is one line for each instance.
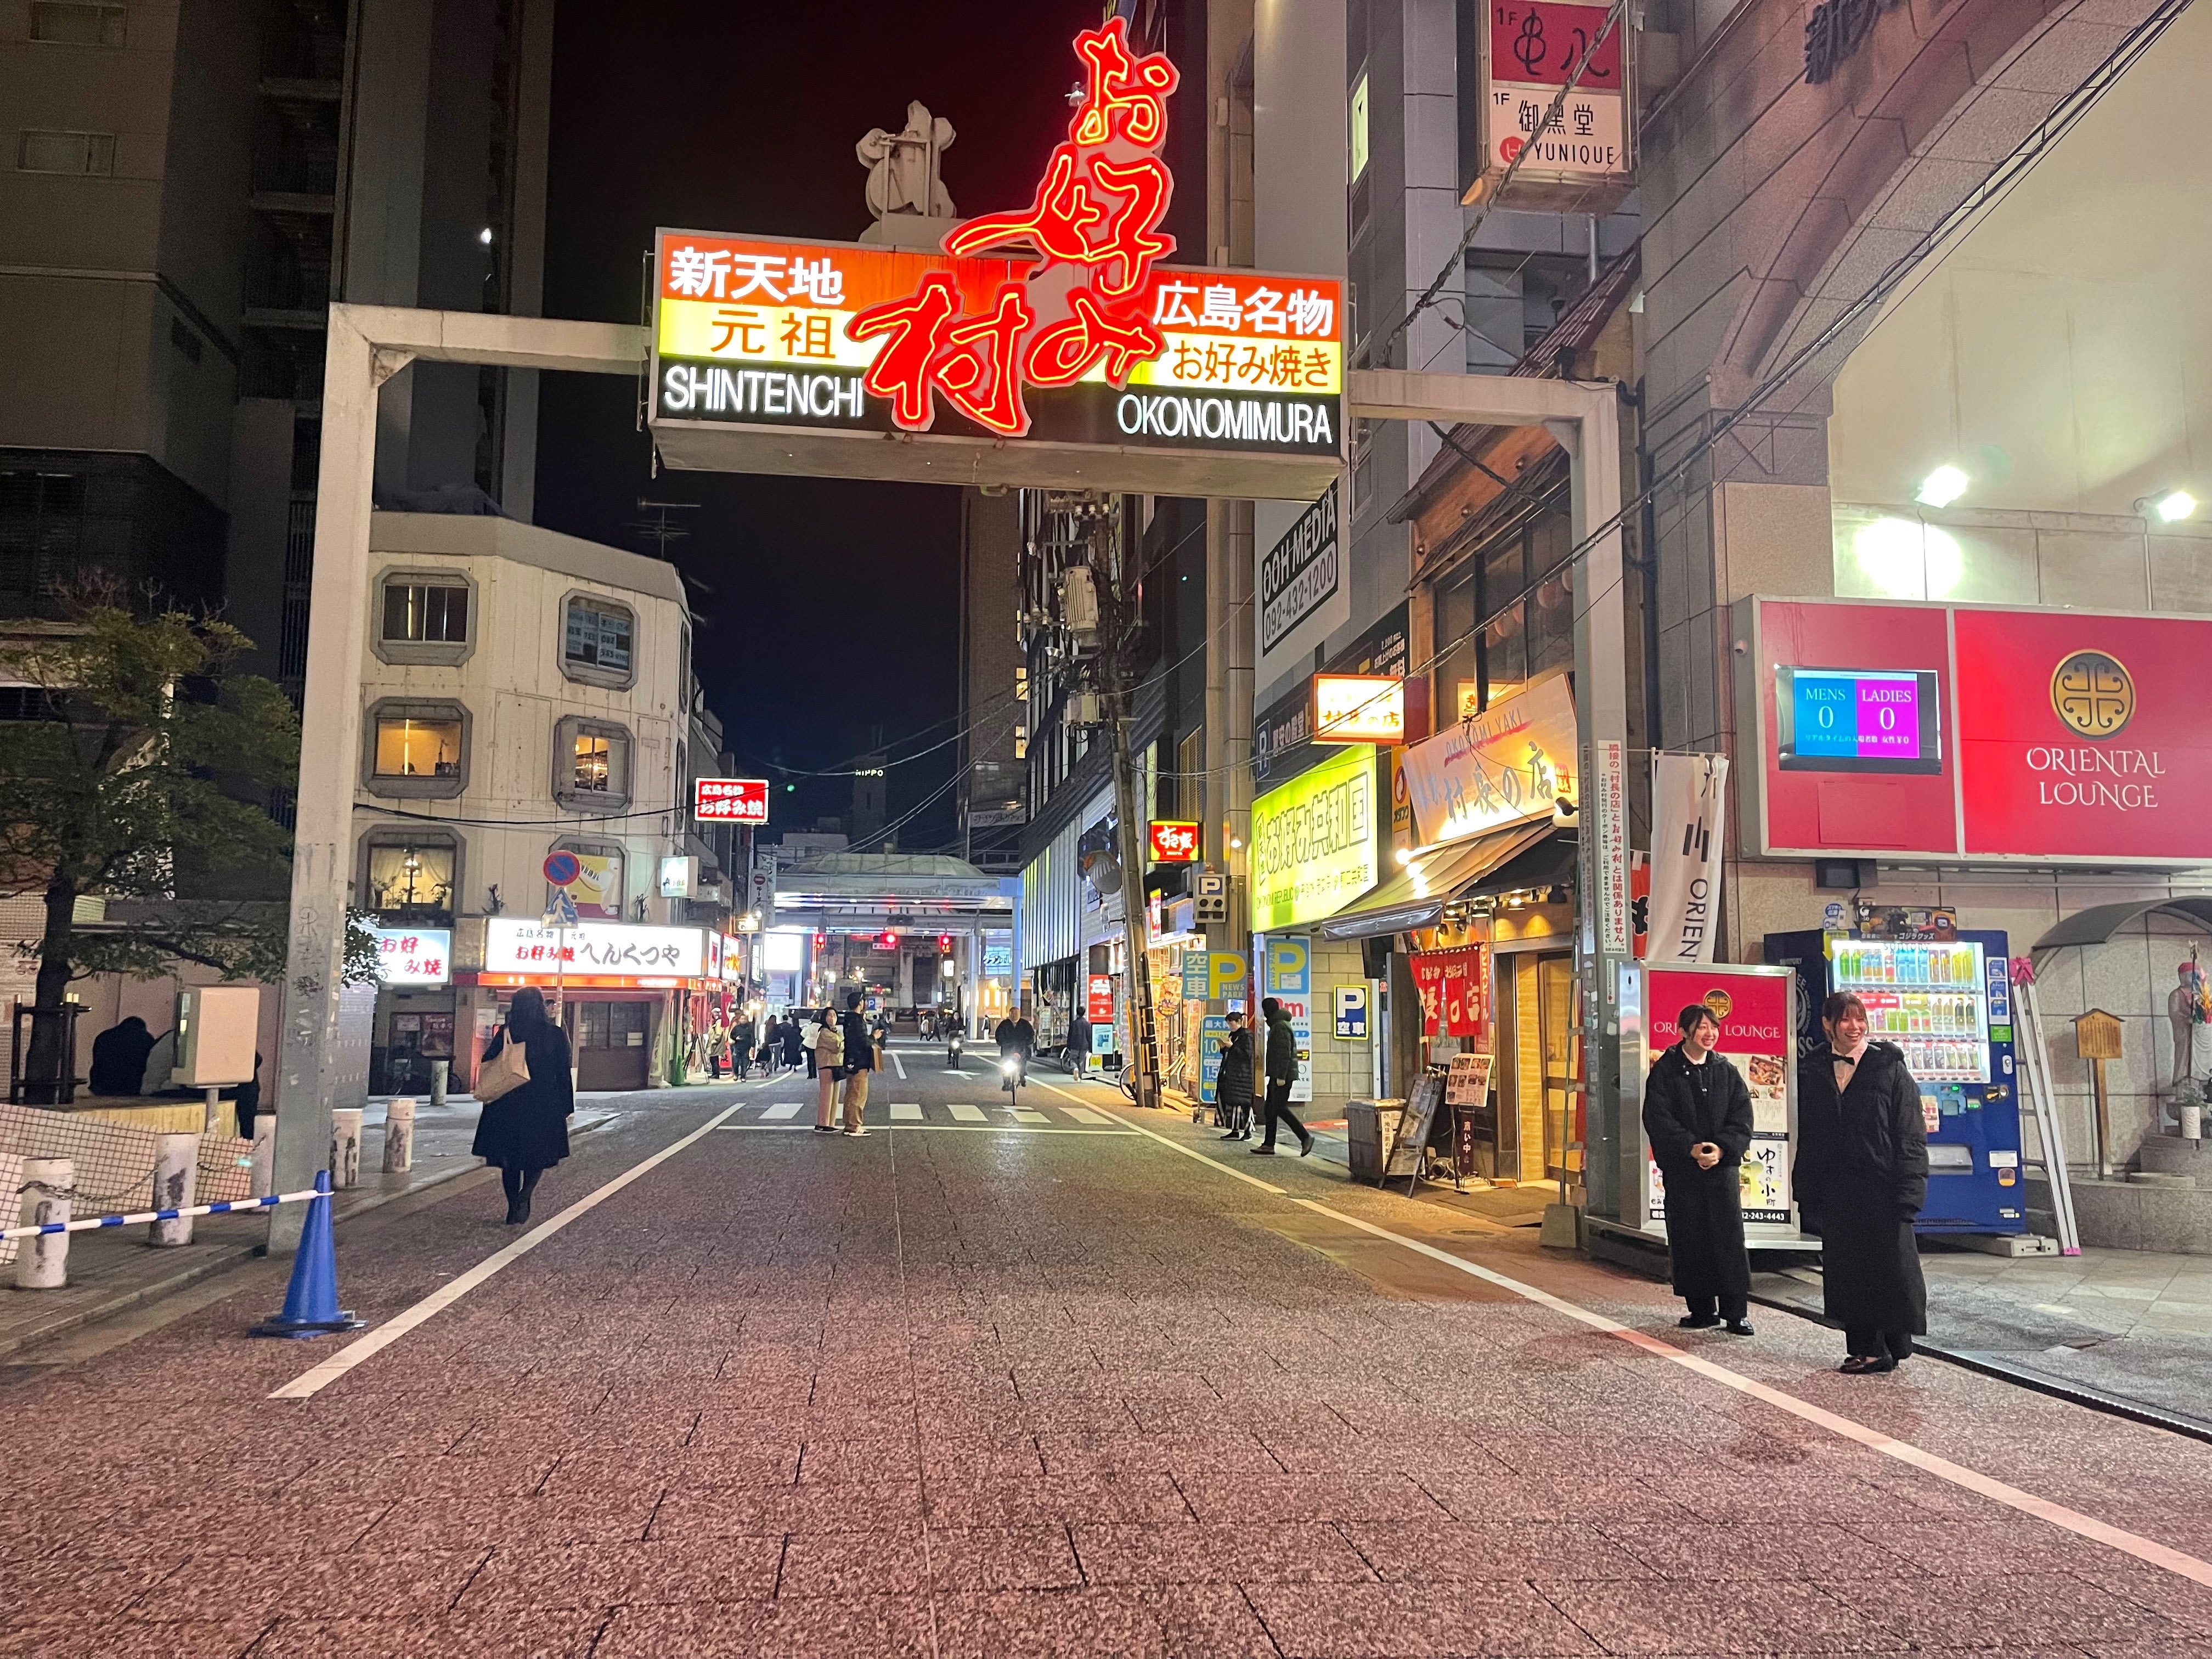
<point>399,1135</point>
<point>441,1075</point>
<point>42,1263</point>
<point>176,1173</point>
<point>265,1156</point>
<point>345,1148</point>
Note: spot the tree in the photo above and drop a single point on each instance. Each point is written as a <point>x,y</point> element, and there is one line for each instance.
<point>138,779</point>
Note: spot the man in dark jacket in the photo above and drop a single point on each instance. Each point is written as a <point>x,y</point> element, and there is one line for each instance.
<point>1861,1178</point>
<point>118,1058</point>
<point>1232,1083</point>
<point>1282,1064</point>
<point>859,1060</point>
<point>1697,1110</point>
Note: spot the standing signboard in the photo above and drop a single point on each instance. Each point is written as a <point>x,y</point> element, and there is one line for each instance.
<point>1759,1029</point>
<point>1414,1128</point>
<point>1212,1040</point>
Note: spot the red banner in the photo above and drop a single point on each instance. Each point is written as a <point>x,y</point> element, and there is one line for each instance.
<point>1098,998</point>
<point>1455,991</point>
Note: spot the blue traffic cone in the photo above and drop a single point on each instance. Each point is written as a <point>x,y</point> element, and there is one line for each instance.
<point>311,1300</point>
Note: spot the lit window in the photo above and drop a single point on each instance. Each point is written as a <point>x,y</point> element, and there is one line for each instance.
<point>594,762</point>
<point>599,636</point>
<point>591,767</point>
<point>411,877</point>
<point>419,613</point>
<point>407,747</point>
<point>1359,126</point>
<point>86,154</point>
<point>76,23</point>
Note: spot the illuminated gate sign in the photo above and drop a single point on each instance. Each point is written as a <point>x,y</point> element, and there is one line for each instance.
<point>1046,346</point>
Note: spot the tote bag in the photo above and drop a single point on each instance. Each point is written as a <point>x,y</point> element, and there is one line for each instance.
<point>504,1071</point>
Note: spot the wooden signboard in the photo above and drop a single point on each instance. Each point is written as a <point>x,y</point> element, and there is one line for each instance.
<point>1414,1129</point>
<point>2097,1036</point>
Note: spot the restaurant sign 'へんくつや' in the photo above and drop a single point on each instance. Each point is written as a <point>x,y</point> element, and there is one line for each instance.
<point>1043,344</point>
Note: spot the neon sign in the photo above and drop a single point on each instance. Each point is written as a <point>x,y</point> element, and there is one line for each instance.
<point>1054,324</point>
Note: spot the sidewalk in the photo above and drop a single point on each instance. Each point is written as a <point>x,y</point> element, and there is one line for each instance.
<point>110,1271</point>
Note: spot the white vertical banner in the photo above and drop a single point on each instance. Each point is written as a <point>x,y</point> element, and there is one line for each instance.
<point>1610,810</point>
<point>1689,808</point>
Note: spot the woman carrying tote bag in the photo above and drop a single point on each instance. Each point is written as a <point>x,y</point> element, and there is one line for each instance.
<point>524,1128</point>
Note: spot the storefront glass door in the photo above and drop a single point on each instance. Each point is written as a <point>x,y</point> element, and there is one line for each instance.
<point>1555,995</point>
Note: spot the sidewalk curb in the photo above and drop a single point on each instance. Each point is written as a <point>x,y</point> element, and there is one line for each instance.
<point>123,1301</point>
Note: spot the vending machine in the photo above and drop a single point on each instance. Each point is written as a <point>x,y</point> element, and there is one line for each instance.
<point>1947,1002</point>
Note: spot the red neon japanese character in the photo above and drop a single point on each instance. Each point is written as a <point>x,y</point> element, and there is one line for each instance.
<point>1135,89</point>
<point>1054,222</point>
<point>990,394</point>
<point>918,325</point>
<point>1062,354</point>
<point>1130,237</point>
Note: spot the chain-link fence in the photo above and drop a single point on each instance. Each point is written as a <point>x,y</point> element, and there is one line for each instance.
<point>113,1163</point>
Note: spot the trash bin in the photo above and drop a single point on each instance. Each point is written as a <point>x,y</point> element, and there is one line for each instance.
<point>1371,1128</point>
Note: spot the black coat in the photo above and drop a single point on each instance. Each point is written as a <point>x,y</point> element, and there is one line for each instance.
<point>1282,1052</point>
<point>1861,1178</point>
<point>860,1044</point>
<point>1704,1207</point>
<point>119,1059</point>
<point>527,1127</point>
<point>1232,1085</point>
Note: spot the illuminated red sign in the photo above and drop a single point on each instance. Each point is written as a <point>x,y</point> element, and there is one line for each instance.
<point>1455,992</point>
<point>2059,736</point>
<point>730,801</point>
<point>1173,841</point>
<point>1098,998</point>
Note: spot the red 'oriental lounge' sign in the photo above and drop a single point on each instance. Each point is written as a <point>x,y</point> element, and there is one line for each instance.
<point>1054,324</point>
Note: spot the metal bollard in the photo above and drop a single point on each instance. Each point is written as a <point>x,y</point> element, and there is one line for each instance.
<point>265,1153</point>
<point>345,1148</point>
<point>441,1071</point>
<point>399,1136</point>
<point>42,1263</point>
<point>176,1172</point>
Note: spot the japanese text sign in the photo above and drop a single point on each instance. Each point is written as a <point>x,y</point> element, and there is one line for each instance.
<point>1098,998</point>
<point>1531,52</point>
<point>1495,768</point>
<point>513,946</point>
<point>1051,322</point>
<point>1314,842</point>
<point>1454,990</point>
<point>414,957</point>
<point>1173,840</point>
<point>1359,709</point>
<point>730,801</point>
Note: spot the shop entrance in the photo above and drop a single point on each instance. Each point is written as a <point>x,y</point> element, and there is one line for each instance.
<point>611,1042</point>
<point>1535,1064</point>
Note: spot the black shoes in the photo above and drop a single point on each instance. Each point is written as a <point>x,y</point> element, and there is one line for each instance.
<point>1698,1321</point>
<point>1861,1365</point>
<point>1263,1150</point>
<point>1739,1327</point>
<point>1305,1147</point>
<point>513,1212</point>
<point>1234,1134</point>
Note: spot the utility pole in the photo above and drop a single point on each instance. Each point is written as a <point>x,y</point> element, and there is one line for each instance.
<point>1118,624</point>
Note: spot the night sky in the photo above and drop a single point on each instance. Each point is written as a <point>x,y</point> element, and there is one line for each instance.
<point>827,609</point>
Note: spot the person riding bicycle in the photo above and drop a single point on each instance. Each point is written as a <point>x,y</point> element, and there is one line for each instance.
<point>1017,1037</point>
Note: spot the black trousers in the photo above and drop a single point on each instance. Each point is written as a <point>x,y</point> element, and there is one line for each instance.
<point>1727,1307</point>
<point>1279,1111</point>
<point>1873,1343</point>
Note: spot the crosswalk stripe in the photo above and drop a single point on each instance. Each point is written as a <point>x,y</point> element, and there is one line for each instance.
<point>905,1111</point>
<point>1085,1115</point>
<point>1025,1115</point>
<point>782,1108</point>
<point>967,1114</point>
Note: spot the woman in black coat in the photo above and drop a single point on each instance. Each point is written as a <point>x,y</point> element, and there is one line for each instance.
<point>1232,1083</point>
<point>1697,1110</point>
<point>1861,1177</point>
<point>526,1130</point>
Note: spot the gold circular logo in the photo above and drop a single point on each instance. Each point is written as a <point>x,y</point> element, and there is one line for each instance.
<point>2092,694</point>
<point>1717,1004</point>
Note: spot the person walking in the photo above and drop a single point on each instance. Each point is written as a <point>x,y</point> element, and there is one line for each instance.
<point>1078,1045</point>
<point>741,1049</point>
<point>1282,1071</point>
<point>1861,1177</point>
<point>1697,1111</point>
<point>859,1060</point>
<point>1232,1083</point>
<point>829,1057</point>
<point>794,1043</point>
<point>526,1131</point>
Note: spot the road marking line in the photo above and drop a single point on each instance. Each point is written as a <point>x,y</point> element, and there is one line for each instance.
<point>941,1128</point>
<point>964,1114</point>
<point>895,1062</point>
<point>783,1109</point>
<point>1085,1115</point>
<point>2143,1549</point>
<point>1026,1114</point>
<point>905,1111</point>
<point>310,1382</point>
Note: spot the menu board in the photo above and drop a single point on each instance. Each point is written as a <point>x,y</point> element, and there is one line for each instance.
<point>1415,1128</point>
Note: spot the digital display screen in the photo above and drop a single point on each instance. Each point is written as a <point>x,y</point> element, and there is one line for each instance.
<point>1859,720</point>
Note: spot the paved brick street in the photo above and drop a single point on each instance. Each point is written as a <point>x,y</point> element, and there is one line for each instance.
<point>973,1385</point>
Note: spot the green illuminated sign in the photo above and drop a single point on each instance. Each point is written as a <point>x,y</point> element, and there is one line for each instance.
<point>1314,842</point>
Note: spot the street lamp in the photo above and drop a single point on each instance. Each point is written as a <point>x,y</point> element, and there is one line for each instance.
<point>1941,486</point>
<point>2172,508</point>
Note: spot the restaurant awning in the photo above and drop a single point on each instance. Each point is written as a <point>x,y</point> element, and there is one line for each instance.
<point>1417,895</point>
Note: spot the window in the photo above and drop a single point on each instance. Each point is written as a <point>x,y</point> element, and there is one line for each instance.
<point>1358,135</point>
<point>411,877</point>
<point>75,23</point>
<point>84,154</point>
<point>598,641</point>
<point>42,520</point>
<point>426,617</point>
<point>417,748</point>
<point>591,765</point>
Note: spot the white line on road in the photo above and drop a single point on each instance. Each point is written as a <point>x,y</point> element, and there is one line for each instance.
<point>783,1109</point>
<point>310,1382</point>
<point>905,1111</point>
<point>899,1064</point>
<point>2085,1526</point>
<point>964,1114</point>
<point>1025,1115</point>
